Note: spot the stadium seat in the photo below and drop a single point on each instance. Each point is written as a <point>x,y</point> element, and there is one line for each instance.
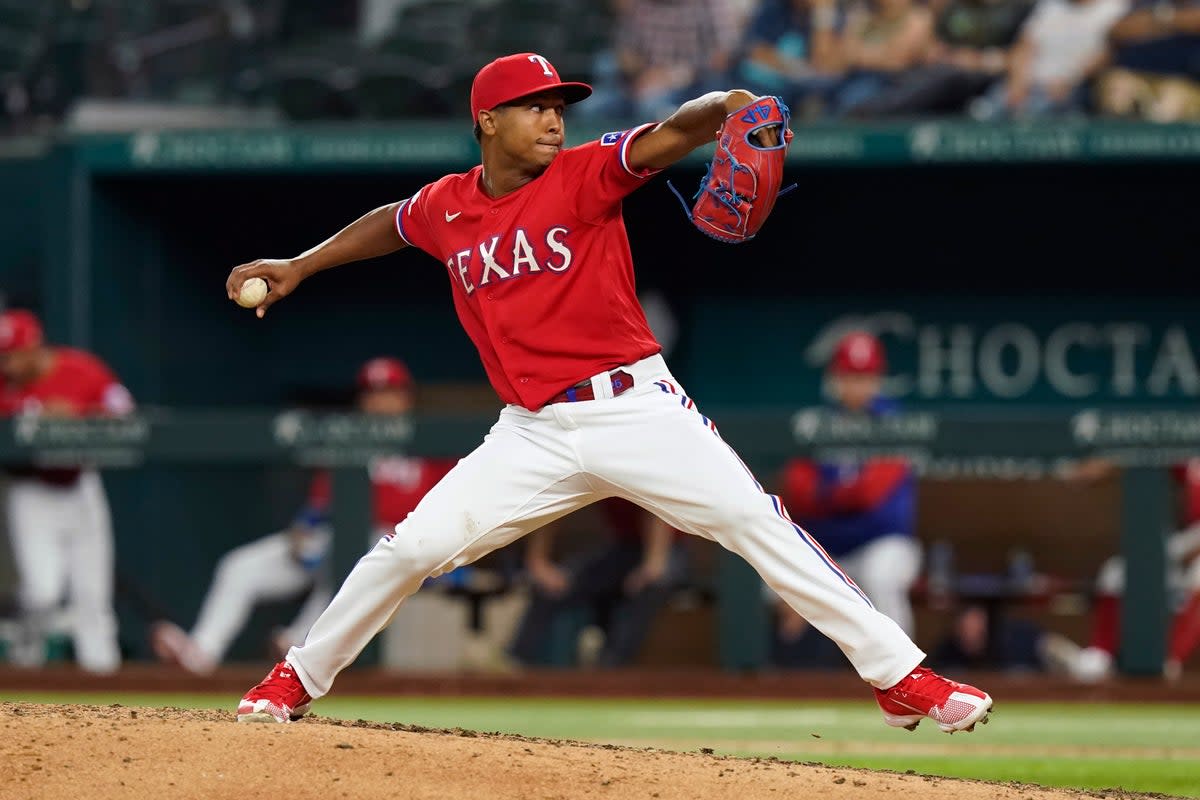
<point>436,20</point>
<point>432,57</point>
<point>15,53</point>
<point>19,54</point>
<point>591,31</point>
<point>308,21</point>
<point>312,89</point>
<point>388,89</point>
<point>496,38</point>
<point>24,16</point>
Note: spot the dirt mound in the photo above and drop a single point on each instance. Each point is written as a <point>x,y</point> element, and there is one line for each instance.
<point>73,751</point>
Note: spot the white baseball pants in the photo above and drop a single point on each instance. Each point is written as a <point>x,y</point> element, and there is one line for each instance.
<point>259,571</point>
<point>62,543</point>
<point>650,445</point>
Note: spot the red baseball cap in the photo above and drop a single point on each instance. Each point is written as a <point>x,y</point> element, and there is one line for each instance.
<point>384,373</point>
<point>19,330</point>
<point>859,353</point>
<point>518,75</point>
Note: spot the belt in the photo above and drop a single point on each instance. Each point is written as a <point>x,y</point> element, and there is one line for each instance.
<point>622,382</point>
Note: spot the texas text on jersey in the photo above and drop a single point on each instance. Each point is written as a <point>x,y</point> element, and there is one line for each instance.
<point>542,277</point>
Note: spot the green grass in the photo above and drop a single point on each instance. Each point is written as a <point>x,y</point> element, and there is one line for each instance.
<point>1142,748</point>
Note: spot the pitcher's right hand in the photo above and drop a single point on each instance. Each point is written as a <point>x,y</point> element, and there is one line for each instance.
<point>282,275</point>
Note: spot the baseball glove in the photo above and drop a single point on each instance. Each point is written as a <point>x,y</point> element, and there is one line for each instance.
<point>743,180</point>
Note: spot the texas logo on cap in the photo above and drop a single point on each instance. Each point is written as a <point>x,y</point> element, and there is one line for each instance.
<point>518,75</point>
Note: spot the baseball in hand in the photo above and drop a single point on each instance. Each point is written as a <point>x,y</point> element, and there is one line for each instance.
<point>254,291</point>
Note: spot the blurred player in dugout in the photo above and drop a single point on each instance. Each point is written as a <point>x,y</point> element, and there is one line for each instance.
<point>620,585</point>
<point>1097,661</point>
<point>863,513</point>
<point>287,564</point>
<point>59,525</point>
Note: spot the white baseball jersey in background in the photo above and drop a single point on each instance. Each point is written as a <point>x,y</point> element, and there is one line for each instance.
<point>261,571</point>
<point>284,564</point>
<point>59,524</point>
<point>62,543</point>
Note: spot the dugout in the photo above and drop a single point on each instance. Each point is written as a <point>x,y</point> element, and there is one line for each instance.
<point>980,248</point>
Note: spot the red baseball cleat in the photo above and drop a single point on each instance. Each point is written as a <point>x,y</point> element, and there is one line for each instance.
<point>923,693</point>
<point>279,698</point>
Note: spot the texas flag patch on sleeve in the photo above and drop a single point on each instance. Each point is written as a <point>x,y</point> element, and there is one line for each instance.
<point>609,139</point>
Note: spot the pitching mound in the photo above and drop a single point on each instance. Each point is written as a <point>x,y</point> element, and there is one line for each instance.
<point>73,751</point>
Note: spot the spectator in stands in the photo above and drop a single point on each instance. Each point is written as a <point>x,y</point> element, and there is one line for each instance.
<point>664,52</point>
<point>1156,63</point>
<point>294,563</point>
<point>1063,45</point>
<point>622,585</point>
<point>793,49</point>
<point>884,39</point>
<point>1096,661</point>
<point>971,51</point>
<point>863,514</point>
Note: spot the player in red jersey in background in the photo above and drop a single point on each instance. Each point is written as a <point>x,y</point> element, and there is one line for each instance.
<point>534,244</point>
<point>1183,554</point>
<point>58,519</point>
<point>864,513</point>
<point>296,560</point>
<point>1097,661</point>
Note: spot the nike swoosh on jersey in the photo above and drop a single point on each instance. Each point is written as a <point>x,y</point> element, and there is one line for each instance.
<point>451,217</point>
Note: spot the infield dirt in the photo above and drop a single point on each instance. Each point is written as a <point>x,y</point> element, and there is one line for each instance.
<point>76,751</point>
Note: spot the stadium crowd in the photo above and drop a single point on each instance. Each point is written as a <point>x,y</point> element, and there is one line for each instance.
<point>395,59</point>
<point>846,59</point>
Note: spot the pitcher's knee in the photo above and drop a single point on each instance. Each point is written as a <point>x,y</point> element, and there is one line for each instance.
<point>411,555</point>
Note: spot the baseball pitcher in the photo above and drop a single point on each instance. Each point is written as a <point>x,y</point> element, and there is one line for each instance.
<point>539,264</point>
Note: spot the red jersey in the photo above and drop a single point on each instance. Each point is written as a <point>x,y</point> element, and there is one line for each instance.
<point>542,277</point>
<point>77,384</point>
<point>397,485</point>
<point>1188,475</point>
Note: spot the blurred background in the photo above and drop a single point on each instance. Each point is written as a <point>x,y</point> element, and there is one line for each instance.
<point>997,198</point>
